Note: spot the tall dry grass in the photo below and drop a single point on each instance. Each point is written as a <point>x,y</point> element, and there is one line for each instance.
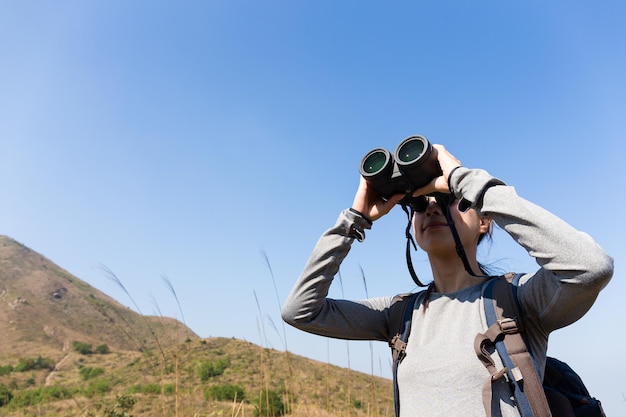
<point>169,370</point>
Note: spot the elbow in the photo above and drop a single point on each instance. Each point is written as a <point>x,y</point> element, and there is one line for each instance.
<point>288,315</point>
<point>292,315</point>
<point>600,271</point>
<point>298,316</point>
<point>606,272</point>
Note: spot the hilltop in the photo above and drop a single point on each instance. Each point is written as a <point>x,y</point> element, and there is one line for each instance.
<point>43,308</point>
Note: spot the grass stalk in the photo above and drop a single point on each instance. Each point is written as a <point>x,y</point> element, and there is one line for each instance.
<point>349,368</point>
<point>371,346</point>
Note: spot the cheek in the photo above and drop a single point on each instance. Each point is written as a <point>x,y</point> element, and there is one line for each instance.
<point>468,221</point>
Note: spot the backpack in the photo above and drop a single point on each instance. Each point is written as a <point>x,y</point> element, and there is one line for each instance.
<point>562,392</point>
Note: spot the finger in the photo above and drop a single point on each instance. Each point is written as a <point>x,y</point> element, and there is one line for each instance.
<point>384,206</point>
<point>393,200</point>
<point>438,184</point>
<point>362,197</point>
<point>447,161</point>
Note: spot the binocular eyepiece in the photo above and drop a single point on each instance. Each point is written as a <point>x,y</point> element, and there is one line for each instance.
<point>411,166</point>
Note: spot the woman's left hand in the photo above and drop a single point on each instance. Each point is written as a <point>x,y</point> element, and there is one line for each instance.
<point>447,162</point>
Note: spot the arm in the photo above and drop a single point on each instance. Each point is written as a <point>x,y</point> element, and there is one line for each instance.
<point>307,306</point>
<point>573,268</point>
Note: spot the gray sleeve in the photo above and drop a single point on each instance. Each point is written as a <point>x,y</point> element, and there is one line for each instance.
<point>573,267</point>
<point>307,306</point>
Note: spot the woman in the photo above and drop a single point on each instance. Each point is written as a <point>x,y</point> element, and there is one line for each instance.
<point>441,375</point>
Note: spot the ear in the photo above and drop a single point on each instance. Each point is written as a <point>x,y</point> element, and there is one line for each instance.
<point>484,223</point>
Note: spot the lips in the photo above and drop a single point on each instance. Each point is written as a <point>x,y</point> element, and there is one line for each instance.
<point>434,224</point>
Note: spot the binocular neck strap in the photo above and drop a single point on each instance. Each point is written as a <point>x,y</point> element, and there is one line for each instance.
<point>409,241</point>
<point>460,250</point>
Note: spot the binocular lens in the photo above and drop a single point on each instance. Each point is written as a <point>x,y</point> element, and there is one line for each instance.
<point>410,150</point>
<point>412,166</point>
<point>374,162</point>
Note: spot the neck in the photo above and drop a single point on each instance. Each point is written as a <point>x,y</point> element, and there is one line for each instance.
<point>450,275</point>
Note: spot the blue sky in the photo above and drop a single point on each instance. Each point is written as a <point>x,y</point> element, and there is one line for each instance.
<point>189,140</point>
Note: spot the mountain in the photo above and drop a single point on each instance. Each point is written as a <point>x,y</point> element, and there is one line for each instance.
<point>50,322</point>
<point>44,309</point>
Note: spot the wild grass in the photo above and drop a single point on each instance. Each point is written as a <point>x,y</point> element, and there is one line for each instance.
<point>196,378</point>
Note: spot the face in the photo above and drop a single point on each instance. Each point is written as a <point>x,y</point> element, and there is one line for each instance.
<point>433,234</point>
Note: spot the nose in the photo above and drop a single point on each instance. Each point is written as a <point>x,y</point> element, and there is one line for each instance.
<point>432,207</point>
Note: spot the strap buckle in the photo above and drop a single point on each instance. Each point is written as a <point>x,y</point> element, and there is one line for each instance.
<point>509,325</point>
<point>398,348</point>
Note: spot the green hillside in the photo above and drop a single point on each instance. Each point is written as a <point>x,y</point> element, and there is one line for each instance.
<point>71,350</point>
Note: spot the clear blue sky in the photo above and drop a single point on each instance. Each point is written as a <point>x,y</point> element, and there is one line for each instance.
<point>188,139</point>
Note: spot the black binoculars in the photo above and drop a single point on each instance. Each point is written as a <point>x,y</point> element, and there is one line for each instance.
<point>412,166</point>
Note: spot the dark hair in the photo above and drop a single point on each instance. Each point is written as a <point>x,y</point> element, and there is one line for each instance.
<point>486,270</point>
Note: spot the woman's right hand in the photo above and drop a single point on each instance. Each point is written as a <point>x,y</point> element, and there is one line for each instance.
<point>368,202</point>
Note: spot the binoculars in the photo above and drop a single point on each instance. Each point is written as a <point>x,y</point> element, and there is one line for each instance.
<point>412,166</point>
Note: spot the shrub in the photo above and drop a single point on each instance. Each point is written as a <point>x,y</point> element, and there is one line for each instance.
<point>122,407</point>
<point>155,389</point>
<point>82,348</point>
<point>227,392</point>
<point>22,366</point>
<point>209,369</point>
<point>103,349</point>
<point>6,369</point>
<point>5,395</point>
<point>269,404</point>
<point>35,396</point>
<point>97,387</point>
<point>26,364</point>
<point>87,372</point>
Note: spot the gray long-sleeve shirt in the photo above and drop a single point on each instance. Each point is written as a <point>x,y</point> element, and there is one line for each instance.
<point>441,375</point>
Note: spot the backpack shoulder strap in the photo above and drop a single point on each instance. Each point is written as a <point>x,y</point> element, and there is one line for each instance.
<point>400,315</point>
<point>505,334</point>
